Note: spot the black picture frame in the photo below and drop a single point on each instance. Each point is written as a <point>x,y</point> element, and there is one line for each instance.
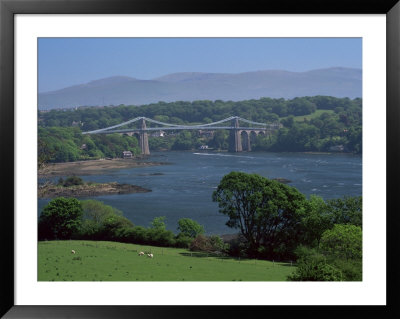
<point>8,8</point>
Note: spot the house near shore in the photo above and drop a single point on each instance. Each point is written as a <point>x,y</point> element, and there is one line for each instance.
<point>127,154</point>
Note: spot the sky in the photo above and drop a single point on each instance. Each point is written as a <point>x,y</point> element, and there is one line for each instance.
<point>64,62</point>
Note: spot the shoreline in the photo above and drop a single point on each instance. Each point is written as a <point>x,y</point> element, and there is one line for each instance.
<point>91,167</point>
<point>89,190</point>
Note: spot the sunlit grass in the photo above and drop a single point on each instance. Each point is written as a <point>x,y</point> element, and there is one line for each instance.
<point>111,261</point>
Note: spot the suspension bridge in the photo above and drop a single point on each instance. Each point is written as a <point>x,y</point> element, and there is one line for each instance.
<point>241,131</point>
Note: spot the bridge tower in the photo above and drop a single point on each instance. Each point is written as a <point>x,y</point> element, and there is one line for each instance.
<point>246,143</point>
<point>235,140</point>
<point>144,140</point>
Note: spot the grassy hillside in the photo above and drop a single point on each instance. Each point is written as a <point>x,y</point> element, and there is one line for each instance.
<point>311,116</point>
<point>111,261</point>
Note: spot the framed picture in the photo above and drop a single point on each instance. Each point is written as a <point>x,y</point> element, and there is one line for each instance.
<point>26,26</point>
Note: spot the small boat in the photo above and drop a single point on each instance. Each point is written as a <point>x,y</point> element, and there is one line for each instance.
<point>205,147</point>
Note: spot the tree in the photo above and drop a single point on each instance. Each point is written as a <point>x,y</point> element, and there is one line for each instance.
<point>114,226</point>
<point>219,140</point>
<point>184,141</point>
<point>60,219</point>
<point>346,210</point>
<point>267,212</point>
<point>158,223</point>
<point>343,241</point>
<point>316,221</point>
<point>158,234</point>
<point>313,267</point>
<point>97,211</point>
<point>190,227</point>
<point>104,222</point>
<point>45,154</point>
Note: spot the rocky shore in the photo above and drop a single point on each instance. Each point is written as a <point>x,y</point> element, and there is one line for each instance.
<point>88,190</point>
<point>91,167</point>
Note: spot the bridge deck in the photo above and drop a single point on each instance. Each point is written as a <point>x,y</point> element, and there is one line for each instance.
<point>180,128</point>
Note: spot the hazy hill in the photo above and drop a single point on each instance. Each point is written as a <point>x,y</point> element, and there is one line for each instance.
<point>190,86</point>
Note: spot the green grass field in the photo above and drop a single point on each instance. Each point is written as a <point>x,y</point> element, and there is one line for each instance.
<point>316,114</point>
<point>111,261</point>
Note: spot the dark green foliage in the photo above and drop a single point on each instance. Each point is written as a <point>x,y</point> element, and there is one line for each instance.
<point>158,235</point>
<point>315,268</point>
<point>183,241</point>
<point>184,141</point>
<point>300,106</point>
<point>114,227</point>
<point>322,216</point>
<point>164,237</point>
<point>60,219</point>
<point>219,140</point>
<point>316,221</point>
<point>189,227</point>
<point>351,269</point>
<point>237,246</point>
<point>267,213</point>
<point>161,144</point>
<point>137,235</point>
<point>346,210</point>
<point>103,222</point>
<point>339,258</point>
<point>218,244</point>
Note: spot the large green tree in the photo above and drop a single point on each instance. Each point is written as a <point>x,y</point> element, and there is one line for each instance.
<point>267,213</point>
<point>60,219</point>
<point>190,227</point>
<point>45,155</point>
<point>346,210</point>
<point>343,241</point>
<point>317,220</point>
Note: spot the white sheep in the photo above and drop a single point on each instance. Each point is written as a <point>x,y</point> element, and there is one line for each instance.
<point>73,251</point>
<point>141,253</point>
<point>150,255</point>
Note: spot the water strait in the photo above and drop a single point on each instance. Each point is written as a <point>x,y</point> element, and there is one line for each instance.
<point>184,186</point>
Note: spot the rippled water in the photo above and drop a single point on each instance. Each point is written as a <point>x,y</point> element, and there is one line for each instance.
<point>184,187</point>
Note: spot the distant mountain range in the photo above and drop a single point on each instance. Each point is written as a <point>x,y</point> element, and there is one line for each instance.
<point>191,86</point>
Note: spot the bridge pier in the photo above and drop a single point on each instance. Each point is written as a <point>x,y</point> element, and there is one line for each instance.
<point>235,140</point>
<point>143,139</point>
<point>246,145</point>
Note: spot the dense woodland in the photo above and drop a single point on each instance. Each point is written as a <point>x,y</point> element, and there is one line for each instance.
<point>310,124</point>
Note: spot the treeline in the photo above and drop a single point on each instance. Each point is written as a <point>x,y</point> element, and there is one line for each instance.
<point>262,110</point>
<point>304,129</point>
<point>317,134</point>
<point>67,144</point>
<point>274,221</point>
<point>68,218</point>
